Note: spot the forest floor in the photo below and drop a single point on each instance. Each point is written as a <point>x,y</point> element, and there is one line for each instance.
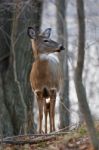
<point>76,139</point>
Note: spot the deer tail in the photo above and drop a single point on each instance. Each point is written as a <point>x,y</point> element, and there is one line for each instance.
<point>45,92</point>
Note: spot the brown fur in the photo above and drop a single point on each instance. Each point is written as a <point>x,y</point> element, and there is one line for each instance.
<point>45,78</point>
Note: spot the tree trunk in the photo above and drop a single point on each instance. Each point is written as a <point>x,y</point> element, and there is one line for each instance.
<point>14,80</point>
<point>6,126</point>
<point>63,38</point>
<point>81,93</point>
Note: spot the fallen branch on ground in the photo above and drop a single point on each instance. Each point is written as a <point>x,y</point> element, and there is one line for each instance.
<point>35,138</point>
<point>29,141</point>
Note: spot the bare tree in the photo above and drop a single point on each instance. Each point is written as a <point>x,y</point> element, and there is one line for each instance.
<point>81,93</point>
<point>63,38</point>
<point>15,64</point>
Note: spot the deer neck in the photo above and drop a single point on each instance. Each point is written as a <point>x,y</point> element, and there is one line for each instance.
<point>41,57</point>
<point>35,50</point>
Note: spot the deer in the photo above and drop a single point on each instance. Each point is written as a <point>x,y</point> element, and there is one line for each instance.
<point>45,75</point>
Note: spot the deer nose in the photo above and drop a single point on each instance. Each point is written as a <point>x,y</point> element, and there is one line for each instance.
<point>61,47</point>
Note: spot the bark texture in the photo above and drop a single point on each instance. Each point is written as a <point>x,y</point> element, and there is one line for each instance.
<point>63,38</point>
<point>16,96</point>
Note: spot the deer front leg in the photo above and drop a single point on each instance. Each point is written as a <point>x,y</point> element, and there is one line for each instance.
<point>50,116</point>
<point>40,106</point>
<point>47,111</point>
<point>40,115</point>
<point>53,100</point>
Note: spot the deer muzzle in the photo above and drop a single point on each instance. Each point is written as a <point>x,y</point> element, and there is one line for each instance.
<point>61,48</point>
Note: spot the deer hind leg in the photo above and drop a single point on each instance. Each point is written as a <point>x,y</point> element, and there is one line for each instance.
<point>52,109</point>
<point>46,111</point>
<point>40,101</point>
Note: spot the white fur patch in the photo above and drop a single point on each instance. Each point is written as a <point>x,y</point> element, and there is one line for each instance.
<point>47,100</point>
<point>53,57</point>
<point>50,57</point>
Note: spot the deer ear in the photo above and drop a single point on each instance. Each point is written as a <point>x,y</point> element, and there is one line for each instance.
<point>47,33</point>
<point>31,32</point>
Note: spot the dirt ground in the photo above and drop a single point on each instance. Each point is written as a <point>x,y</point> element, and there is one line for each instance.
<point>77,139</point>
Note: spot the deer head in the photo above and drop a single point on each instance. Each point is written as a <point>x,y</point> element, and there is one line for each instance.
<point>41,43</point>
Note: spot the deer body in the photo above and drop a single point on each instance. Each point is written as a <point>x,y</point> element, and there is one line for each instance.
<point>45,76</point>
<point>46,72</point>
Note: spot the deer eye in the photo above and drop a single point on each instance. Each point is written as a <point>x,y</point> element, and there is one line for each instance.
<point>45,40</point>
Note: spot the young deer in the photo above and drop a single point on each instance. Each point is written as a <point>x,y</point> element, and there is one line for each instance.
<point>45,76</point>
